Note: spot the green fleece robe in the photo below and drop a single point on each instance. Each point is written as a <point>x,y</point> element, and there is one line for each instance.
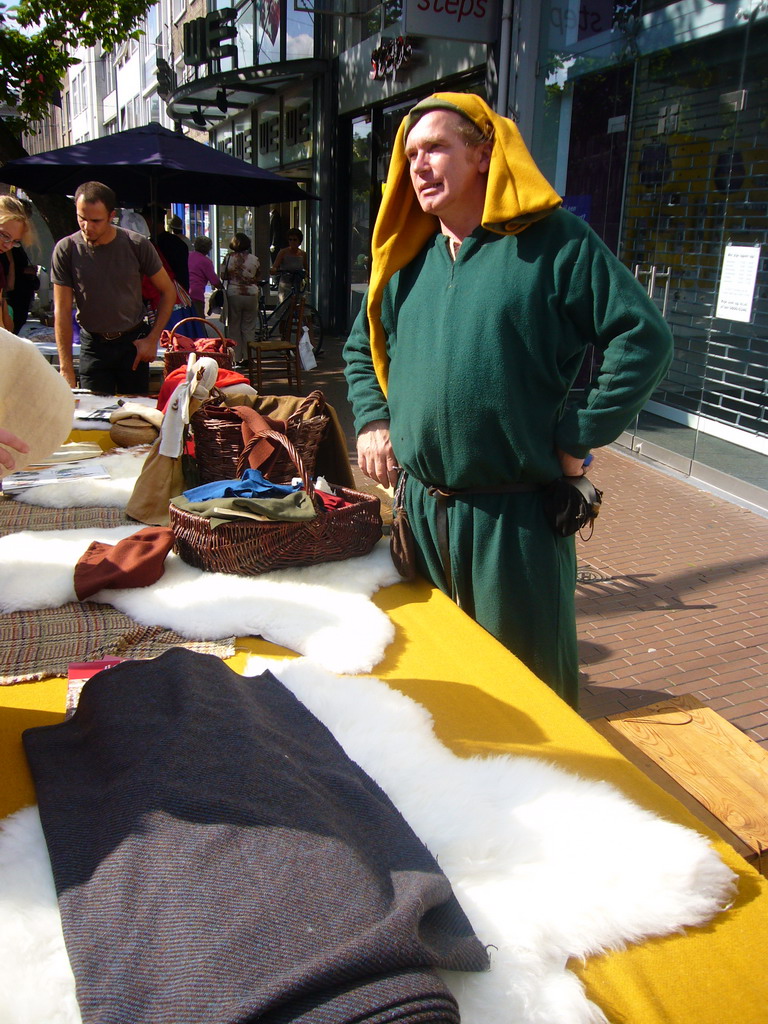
<point>483,352</point>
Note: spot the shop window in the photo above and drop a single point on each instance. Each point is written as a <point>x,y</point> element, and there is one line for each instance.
<point>696,180</point>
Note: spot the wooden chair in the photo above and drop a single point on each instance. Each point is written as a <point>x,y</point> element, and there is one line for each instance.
<point>279,356</point>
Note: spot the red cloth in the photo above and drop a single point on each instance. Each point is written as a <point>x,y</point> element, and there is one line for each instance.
<point>331,501</point>
<point>148,290</point>
<point>224,379</point>
<point>136,561</point>
<point>175,342</point>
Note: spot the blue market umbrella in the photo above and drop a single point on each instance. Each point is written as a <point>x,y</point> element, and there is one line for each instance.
<point>152,164</point>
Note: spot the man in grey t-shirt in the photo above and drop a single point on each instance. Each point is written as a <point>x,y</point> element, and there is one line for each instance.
<point>99,269</point>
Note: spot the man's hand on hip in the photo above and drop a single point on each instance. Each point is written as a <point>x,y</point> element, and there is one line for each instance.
<point>571,465</point>
<point>374,453</point>
<point>146,350</point>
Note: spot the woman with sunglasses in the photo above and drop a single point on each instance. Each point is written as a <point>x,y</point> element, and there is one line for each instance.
<point>14,229</point>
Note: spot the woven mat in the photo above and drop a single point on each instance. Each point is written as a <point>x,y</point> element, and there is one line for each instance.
<point>39,644</point>
<point>16,516</point>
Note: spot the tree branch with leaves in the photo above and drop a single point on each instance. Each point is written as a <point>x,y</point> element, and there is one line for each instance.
<point>38,40</point>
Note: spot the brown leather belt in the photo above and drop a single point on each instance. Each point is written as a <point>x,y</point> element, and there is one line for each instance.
<point>442,494</point>
<point>114,335</point>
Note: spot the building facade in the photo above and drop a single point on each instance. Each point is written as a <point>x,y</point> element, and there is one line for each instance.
<point>650,117</point>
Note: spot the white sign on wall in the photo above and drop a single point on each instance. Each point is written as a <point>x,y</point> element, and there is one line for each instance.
<point>473,21</point>
<point>737,282</point>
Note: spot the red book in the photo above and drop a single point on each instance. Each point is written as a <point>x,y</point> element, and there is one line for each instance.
<point>78,674</point>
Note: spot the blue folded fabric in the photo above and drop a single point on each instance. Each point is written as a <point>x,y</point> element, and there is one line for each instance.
<point>252,484</point>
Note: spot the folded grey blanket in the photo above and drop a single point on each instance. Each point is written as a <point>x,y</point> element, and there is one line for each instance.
<point>218,858</point>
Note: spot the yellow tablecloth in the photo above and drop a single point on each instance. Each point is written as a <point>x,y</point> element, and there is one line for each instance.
<point>484,701</point>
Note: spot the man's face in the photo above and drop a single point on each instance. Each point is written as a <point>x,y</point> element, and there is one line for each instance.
<point>95,221</point>
<point>446,174</point>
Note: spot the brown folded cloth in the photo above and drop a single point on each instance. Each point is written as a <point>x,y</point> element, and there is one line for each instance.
<point>264,452</point>
<point>136,561</point>
<point>332,453</point>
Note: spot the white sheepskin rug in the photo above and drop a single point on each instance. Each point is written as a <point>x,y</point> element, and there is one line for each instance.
<point>123,466</point>
<point>546,865</point>
<point>322,611</point>
<point>36,980</point>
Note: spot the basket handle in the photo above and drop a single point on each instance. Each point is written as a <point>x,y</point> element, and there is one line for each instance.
<point>188,320</point>
<point>293,455</point>
<point>313,398</point>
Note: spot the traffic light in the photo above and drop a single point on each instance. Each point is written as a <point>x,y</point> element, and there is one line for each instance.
<point>165,78</point>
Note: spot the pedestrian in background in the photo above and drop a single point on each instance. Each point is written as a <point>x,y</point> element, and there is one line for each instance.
<point>99,269</point>
<point>171,246</point>
<point>201,273</point>
<point>291,265</point>
<point>176,227</point>
<point>25,284</point>
<point>15,228</point>
<point>241,272</point>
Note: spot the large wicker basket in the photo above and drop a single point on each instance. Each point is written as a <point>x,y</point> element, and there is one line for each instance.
<point>173,359</point>
<point>218,436</point>
<point>248,548</point>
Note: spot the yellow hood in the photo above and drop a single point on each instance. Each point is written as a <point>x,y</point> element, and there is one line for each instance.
<point>517,195</point>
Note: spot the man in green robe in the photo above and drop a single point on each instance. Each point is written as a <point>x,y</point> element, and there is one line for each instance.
<point>484,297</point>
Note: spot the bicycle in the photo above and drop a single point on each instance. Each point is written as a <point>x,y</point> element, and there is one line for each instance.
<point>275,323</point>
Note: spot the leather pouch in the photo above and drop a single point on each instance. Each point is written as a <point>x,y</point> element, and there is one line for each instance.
<point>401,545</point>
<point>570,504</point>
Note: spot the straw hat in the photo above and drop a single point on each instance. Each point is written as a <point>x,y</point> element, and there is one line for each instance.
<point>36,403</point>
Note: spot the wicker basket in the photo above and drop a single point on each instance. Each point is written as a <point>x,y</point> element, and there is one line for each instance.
<point>173,359</point>
<point>218,436</point>
<point>248,548</point>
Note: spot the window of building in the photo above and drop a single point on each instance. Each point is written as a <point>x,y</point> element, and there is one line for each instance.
<point>297,127</point>
<point>268,33</point>
<point>79,93</point>
<point>299,33</point>
<point>245,40</point>
<point>268,134</point>
<point>152,39</point>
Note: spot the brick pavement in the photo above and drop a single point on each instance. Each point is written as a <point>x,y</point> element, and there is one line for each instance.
<point>673,588</point>
<point>672,598</point>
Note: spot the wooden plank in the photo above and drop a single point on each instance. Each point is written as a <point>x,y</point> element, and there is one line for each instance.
<point>710,758</point>
<point>668,784</point>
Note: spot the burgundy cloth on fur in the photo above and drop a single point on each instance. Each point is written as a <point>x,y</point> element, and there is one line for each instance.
<point>136,561</point>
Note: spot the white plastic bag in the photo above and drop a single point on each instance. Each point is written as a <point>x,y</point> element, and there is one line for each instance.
<point>306,352</point>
